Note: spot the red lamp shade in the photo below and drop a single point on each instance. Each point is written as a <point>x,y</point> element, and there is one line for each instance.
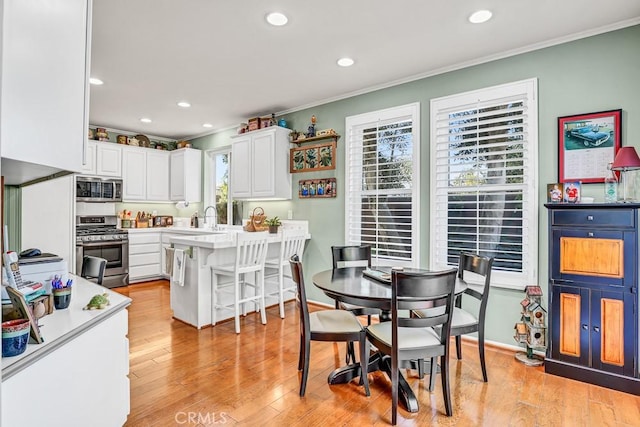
<point>626,159</point>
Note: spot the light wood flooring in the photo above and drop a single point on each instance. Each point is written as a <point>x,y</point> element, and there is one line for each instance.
<point>182,376</point>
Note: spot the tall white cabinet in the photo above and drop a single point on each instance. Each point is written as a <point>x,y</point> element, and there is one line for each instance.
<point>260,164</point>
<point>45,95</point>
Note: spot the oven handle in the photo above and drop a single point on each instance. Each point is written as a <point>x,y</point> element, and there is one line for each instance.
<point>104,243</point>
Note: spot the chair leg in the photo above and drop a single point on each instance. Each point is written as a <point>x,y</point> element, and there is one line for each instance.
<point>263,313</point>
<point>301,353</point>
<point>368,320</point>
<point>481,350</point>
<point>364,362</point>
<point>236,304</point>
<point>459,347</point>
<point>214,299</point>
<point>432,373</point>
<point>394,389</point>
<point>446,391</point>
<point>420,368</point>
<point>305,367</point>
<point>281,291</point>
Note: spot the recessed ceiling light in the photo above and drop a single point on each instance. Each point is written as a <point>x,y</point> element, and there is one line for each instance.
<point>207,125</point>
<point>277,19</point>
<point>345,62</point>
<point>480,16</point>
<point>95,81</point>
<point>184,104</point>
<point>145,120</point>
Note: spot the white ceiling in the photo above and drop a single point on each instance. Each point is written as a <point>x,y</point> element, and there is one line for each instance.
<point>222,57</point>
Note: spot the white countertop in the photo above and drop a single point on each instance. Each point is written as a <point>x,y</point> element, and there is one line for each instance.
<point>221,240</point>
<point>62,326</point>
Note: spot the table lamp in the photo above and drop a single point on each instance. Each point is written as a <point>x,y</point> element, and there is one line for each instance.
<point>626,160</point>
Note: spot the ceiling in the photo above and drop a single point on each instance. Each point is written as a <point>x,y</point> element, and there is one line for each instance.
<point>224,59</point>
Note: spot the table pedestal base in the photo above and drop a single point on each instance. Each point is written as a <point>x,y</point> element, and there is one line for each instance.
<point>377,362</point>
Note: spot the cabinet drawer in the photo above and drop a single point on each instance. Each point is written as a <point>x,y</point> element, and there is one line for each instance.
<point>594,218</point>
<point>144,271</point>
<point>144,248</point>
<point>144,259</point>
<point>135,238</point>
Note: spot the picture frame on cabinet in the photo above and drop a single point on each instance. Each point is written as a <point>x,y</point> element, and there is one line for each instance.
<point>313,158</point>
<point>587,143</point>
<point>317,188</point>
<point>20,304</point>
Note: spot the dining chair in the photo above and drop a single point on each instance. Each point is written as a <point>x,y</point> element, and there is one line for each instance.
<point>353,256</point>
<point>251,251</point>
<point>291,243</point>
<point>411,338</point>
<point>466,321</point>
<point>325,325</point>
<point>93,268</point>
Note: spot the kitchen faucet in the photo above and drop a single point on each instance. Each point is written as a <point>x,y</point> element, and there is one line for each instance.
<point>215,217</point>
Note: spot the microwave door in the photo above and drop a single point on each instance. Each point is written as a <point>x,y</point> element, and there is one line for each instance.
<point>96,190</point>
<point>107,190</point>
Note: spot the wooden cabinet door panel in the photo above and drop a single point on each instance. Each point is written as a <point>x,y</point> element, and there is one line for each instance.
<point>612,331</point>
<point>570,324</point>
<point>592,257</point>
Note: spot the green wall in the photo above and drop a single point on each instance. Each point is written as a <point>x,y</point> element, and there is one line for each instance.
<point>592,74</point>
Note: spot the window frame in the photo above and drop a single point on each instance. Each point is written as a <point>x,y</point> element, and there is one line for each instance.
<point>529,89</point>
<point>358,121</point>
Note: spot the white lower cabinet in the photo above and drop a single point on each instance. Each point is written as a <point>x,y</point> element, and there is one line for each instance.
<point>144,256</point>
<point>145,175</point>
<point>83,382</point>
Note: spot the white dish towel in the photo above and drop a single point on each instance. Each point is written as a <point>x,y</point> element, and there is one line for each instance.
<point>177,278</point>
<point>168,261</point>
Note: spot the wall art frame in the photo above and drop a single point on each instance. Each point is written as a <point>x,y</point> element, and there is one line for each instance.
<point>587,143</point>
<point>317,188</point>
<point>313,157</point>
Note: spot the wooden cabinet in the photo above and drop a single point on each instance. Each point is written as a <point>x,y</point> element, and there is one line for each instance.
<point>103,159</point>
<point>44,111</point>
<point>593,294</point>
<point>260,165</point>
<point>144,255</point>
<point>186,175</point>
<point>145,175</point>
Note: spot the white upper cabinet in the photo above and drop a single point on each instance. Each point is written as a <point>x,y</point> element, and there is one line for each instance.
<point>134,174</point>
<point>108,159</point>
<point>45,59</point>
<point>186,175</point>
<point>103,159</point>
<point>157,175</point>
<point>145,175</point>
<point>260,165</point>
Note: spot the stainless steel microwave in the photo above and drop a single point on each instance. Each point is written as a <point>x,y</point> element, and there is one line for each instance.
<point>100,190</point>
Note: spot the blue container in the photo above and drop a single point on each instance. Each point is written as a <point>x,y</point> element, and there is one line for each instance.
<point>15,335</point>
<point>282,123</point>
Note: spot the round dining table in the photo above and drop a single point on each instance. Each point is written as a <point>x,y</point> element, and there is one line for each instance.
<point>351,286</point>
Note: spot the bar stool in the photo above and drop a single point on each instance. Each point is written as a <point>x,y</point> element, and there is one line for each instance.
<point>251,251</point>
<point>291,243</point>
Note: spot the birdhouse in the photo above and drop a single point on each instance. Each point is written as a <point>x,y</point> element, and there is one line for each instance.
<point>537,315</point>
<point>536,337</point>
<point>521,333</point>
<point>534,293</point>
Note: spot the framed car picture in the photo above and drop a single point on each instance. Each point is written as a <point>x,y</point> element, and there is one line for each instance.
<point>587,143</point>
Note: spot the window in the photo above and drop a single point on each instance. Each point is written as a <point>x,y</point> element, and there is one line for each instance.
<point>381,192</point>
<point>217,171</point>
<point>484,179</point>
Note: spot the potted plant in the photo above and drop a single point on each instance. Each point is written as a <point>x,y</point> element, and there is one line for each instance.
<point>273,224</point>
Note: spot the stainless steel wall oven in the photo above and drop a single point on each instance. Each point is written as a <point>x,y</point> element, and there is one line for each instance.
<point>98,236</point>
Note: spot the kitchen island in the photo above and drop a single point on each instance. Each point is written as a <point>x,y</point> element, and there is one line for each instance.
<point>191,302</point>
<point>78,376</point>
